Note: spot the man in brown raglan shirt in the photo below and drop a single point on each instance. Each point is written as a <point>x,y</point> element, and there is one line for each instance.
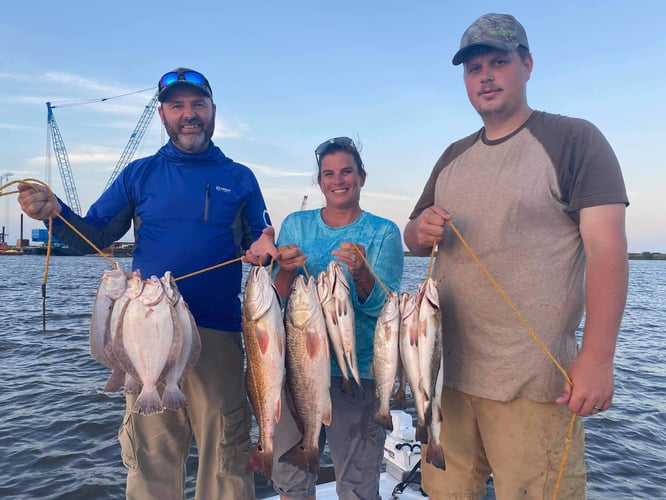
<point>541,200</point>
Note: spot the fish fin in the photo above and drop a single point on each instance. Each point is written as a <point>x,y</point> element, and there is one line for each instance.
<point>176,343</point>
<point>312,343</point>
<point>116,380</point>
<point>289,397</point>
<point>148,402</point>
<point>385,420</point>
<point>435,456</point>
<point>132,385</point>
<point>281,341</point>
<point>346,385</point>
<point>278,410</point>
<point>414,336</point>
<point>428,412</point>
<point>421,433</point>
<point>326,419</point>
<point>400,396</point>
<point>360,387</point>
<point>195,351</point>
<point>108,351</point>
<point>263,339</point>
<point>173,398</point>
<point>306,458</point>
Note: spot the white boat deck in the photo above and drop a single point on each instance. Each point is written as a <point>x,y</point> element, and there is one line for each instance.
<point>401,454</point>
<point>387,483</point>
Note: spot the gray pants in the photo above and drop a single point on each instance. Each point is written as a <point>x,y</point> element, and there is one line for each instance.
<point>355,441</point>
<point>155,447</point>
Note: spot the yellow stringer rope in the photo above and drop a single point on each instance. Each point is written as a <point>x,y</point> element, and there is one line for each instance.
<point>499,289</point>
<point>534,337</point>
<point>100,252</point>
<point>372,271</point>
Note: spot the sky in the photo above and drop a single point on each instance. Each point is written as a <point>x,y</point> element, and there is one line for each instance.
<point>288,75</point>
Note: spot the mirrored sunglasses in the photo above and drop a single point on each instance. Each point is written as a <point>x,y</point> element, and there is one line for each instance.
<point>343,142</point>
<point>192,77</point>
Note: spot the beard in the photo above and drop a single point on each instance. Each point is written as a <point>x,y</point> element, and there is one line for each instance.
<point>191,142</point>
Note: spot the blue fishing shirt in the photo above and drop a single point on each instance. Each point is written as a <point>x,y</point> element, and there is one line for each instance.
<point>190,212</point>
<point>383,245</point>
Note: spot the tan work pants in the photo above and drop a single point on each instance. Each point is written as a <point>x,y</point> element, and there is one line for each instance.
<point>521,442</point>
<point>155,447</point>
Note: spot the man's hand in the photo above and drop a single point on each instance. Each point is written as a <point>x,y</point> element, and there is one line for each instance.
<point>262,248</point>
<point>593,387</point>
<point>37,202</point>
<point>421,233</point>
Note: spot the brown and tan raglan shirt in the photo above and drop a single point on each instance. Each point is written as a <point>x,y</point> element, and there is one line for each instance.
<point>516,202</point>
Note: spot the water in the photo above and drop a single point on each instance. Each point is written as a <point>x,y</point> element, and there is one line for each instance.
<point>58,430</point>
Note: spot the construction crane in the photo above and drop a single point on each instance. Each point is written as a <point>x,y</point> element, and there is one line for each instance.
<point>135,139</point>
<point>63,161</point>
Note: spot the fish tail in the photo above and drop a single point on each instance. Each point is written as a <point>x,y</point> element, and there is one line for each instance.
<point>346,385</point>
<point>384,419</point>
<point>428,412</point>
<point>116,380</point>
<point>435,455</point>
<point>360,386</point>
<point>173,398</point>
<point>421,433</point>
<point>261,461</point>
<point>148,402</point>
<point>131,385</point>
<point>303,457</point>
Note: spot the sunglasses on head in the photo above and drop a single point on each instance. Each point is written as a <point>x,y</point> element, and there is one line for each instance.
<point>341,142</point>
<point>189,76</point>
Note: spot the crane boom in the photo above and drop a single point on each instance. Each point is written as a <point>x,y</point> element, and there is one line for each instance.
<point>135,139</point>
<point>63,162</point>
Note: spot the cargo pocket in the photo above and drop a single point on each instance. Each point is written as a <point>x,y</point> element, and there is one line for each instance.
<point>235,445</point>
<point>371,454</point>
<point>126,440</point>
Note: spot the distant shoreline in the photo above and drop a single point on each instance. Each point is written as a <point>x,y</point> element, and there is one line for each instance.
<point>630,256</point>
<point>125,250</point>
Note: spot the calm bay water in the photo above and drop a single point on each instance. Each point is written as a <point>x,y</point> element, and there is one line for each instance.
<point>58,430</point>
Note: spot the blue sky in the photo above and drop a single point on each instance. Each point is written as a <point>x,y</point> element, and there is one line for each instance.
<point>288,75</point>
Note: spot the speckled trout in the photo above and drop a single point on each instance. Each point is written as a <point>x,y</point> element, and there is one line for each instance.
<point>385,357</point>
<point>409,355</point>
<point>430,365</point>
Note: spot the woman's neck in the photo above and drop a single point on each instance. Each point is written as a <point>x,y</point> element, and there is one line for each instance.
<point>340,217</point>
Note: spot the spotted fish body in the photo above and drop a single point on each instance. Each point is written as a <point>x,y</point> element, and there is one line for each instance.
<point>327,301</point>
<point>409,355</point>
<point>385,356</point>
<point>344,311</point>
<point>430,365</point>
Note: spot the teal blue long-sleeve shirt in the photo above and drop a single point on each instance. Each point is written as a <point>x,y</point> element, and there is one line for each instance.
<point>383,245</point>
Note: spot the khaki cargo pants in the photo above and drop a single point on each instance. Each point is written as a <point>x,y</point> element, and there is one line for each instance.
<point>521,442</point>
<point>155,447</point>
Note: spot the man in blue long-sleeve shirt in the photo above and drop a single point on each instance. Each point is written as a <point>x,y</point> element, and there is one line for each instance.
<point>191,189</point>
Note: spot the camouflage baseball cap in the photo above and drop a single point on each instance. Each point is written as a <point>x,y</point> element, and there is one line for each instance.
<point>499,31</point>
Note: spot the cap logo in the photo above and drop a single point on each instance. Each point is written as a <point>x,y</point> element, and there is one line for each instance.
<point>504,33</point>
